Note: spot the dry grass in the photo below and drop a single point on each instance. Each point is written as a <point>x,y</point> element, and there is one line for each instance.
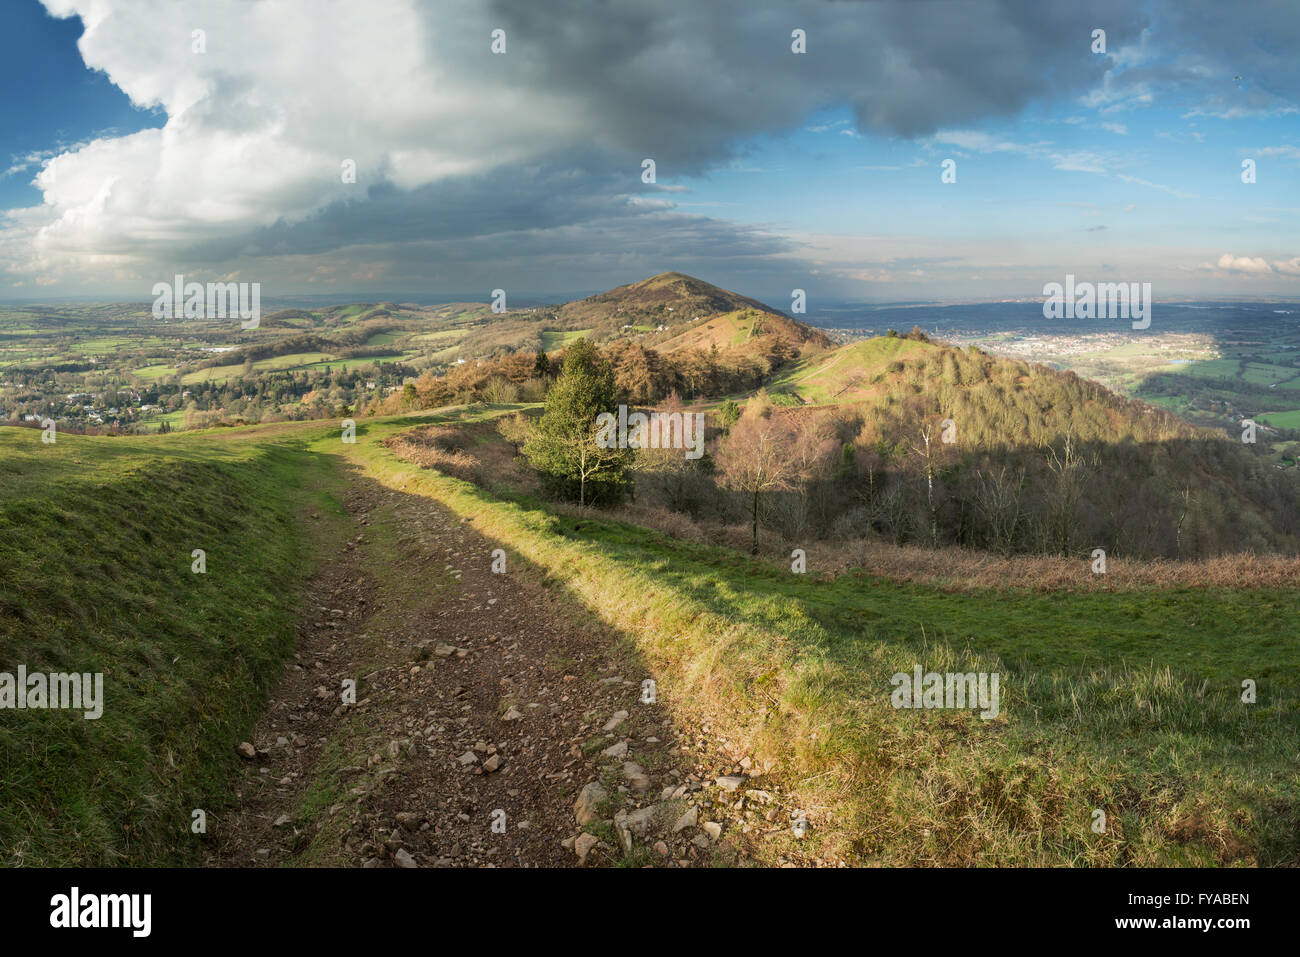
<point>468,452</point>
<point>961,569</point>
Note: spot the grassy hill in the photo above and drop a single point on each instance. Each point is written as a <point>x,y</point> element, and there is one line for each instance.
<point>853,372</point>
<point>737,330</point>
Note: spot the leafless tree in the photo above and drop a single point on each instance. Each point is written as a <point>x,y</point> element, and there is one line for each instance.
<point>756,457</point>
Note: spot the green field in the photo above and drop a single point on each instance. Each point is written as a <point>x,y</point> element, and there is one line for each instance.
<point>552,339</point>
<point>1283,420</point>
<point>154,371</point>
<point>357,363</point>
<point>295,360</point>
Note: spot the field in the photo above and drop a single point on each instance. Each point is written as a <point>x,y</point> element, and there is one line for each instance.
<point>111,367</point>
<point>557,340</point>
<point>1283,420</point>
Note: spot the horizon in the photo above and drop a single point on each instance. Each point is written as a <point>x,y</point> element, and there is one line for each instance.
<point>529,299</point>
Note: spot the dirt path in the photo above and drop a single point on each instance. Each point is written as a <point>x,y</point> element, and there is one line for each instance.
<point>482,712</point>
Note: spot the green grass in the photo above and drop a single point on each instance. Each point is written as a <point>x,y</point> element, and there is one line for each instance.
<point>294,360</point>
<point>175,419</point>
<point>111,344</point>
<point>841,374</point>
<point>1212,369</point>
<point>1283,420</point>
<point>96,536</point>
<point>1263,374</point>
<point>357,363</point>
<point>151,372</point>
<point>1126,701</point>
<point>554,339</point>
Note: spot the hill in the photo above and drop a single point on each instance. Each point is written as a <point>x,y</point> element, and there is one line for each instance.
<point>853,372</point>
<point>1121,696</point>
<point>747,329</point>
<point>670,297</point>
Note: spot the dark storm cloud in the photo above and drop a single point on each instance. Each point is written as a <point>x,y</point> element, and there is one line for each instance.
<point>685,81</point>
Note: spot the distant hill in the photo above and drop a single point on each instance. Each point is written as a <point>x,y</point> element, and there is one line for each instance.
<point>674,311</point>
<point>669,297</point>
<point>670,312</point>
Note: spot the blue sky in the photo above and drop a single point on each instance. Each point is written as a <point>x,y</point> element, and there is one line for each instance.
<point>138,154</point>
<point>1094,185</point>
<point>52,101</point>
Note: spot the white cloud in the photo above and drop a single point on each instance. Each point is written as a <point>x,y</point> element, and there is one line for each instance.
<point>1246,264</point>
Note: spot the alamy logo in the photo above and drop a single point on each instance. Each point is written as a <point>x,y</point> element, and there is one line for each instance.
<point>216,300</point>
<point>1104,300</point>
<point>658,430</point>
<point>134,911</point>
<point>934,690</point>
<point>81,692</point>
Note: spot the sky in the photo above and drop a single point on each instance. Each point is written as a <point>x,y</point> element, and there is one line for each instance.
<point>144,138</point>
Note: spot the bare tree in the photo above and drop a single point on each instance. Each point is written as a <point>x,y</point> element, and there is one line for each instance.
<point>999,500</point>
<point>926,453</point>
<point>756,457</point>
<point>1071,471</point>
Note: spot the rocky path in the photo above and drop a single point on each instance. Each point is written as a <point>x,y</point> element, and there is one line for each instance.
<point>488,729</point>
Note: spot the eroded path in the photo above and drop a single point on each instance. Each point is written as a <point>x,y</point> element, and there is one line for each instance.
<point>481,715</point>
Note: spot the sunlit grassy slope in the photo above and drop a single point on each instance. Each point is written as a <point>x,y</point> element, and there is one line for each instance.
<point>848,373</point>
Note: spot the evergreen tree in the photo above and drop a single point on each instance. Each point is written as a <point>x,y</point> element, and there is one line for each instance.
<point>563,447</point>
<point>542,364</point>
<point>728,413</point>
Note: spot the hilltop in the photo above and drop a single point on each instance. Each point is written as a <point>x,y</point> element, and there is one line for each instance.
<point>673,311</point>
<point>667,297</point>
